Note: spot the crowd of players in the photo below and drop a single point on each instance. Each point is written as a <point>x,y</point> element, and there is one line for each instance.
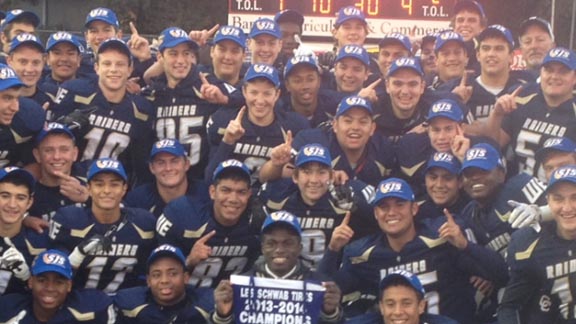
<point>429,185</point>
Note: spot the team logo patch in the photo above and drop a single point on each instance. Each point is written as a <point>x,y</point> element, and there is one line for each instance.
<point>552,142</point>
<point>392,186</point>
<point>26,37</point>
<point>165,247</point>
<point>262,68</point>
<point>177,33</point>
<point>300,59</point>
<point>448,35</point>
<point>7,73</point>
<point>564,173</point>
<point>229,31</point>
<point>107,164</point>
<point>10,169</point>
<point>231,163</point>
<point>52,126</point>
<point>282,216</point>
<point>559,53</point>
<point>406,61</point>
<point>16,12</point>
<point>53,258</point>
<point>356,101</point>
<point>476,154</point>
<point>443,157</point>
<point>165,143</point>
<point>98,12</point>
<point>265,25</point>
<point>353,49</point>
<point>351,11</point>
<point>62,36</point>
<point>314,151</point>
<point>442,107</point>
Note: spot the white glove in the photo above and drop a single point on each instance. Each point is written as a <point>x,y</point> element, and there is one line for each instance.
<point>303,50</point>
<point>523,214</point>
<point>14,261</point>
<point>88,246</point>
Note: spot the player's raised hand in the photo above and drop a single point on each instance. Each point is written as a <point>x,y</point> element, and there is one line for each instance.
<point>201,36</point>
<point>72,188</point>
<point>506,104</point>
<point>282,154</point>
<point>340,177</point>
<point>459,144</point>
<point>463,90</point>
<point>235,131</point>
<point>211,93</point>
<point>138,45</point>
<point>332,297</point>
<point>452,233</point>
<point>369,93</point>
<point>224,298</point>
<point>14,261</point>
<point>341,235</point>
<point>200,250</point>
<point>484,286</point>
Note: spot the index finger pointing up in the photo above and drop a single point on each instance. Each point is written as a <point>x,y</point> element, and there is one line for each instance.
<point>213,30</point>
<point>449,217</point>
<point>133,29</point>
<point>241,114</point>
<point>346,219</point>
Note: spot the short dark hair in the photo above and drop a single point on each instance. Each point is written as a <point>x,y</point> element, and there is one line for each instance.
<point>403,282</point>
<point>8,27</point>
<point>16,180</point>
<point>234,174</point>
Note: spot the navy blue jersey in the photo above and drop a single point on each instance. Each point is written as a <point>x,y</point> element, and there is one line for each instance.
<point>147,197</point>
<point>318,221</point>
<point>136,305</point>
<point>429,209</point>
<point>542,278</point>
<point>234,248</point>
<point>328,101</point>
<point>81,306</point>
<point>443,270</point>
<point>255,147</point>
<point>181,114</point>
<point>489,224</point>
<point>16,139</point>
<point>532,123</point>
<point>30,244</point>
<point>378,162</point>
<point>124,265</point>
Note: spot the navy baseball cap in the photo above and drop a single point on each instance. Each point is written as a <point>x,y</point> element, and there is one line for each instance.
<point>445,37</point>
<point>282,217</point>
<point>483,156</point>
<point>166,250</point>
<point>63,37</point>
<point>115,43</point>
<point>265,26</point>
<point>168,145</point>
<point>300,60</point>
<point>107,165</point>
<point>393,187</point>
<point>20,173</point>
<point>2,15</point>
<point>289,15</point>
<point>26,39</point>
<point>263,71</point>
<point>408,277</point>
<point>444,160</point>
<point>499,31</point>
<point>561,55</point>
<point>536,21</point>
<point>354,51</point>
<point>347,13</point>
<point>231,165</point>
<point>16,14</point>
<point>352,102</point>
<point>232,33</point>
<point>396,38</point>
<point>174,36</point>
<point>102,14</point>
<point>54,128</point>
<point>565,173</point>
<point>8,78</point>
<point>313,153</point>
<point>560,144</point>
<point>412,63</point>
<point>52,261</point>
<point>469,5</point>
<point>445,108</point>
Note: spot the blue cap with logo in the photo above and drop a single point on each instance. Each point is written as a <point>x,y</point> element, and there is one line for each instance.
<point>445,37</point>
<point>20,173</point>
<point>561,55</point>
<point>412,63</point>
<point>54,128</point>
<point>8,78</point>
<point>231,33</point>
<point>347,13</point>
<point>352,102</point>
<point>559,144</point>
<point>26,39</point>
<point>444,160</point>
<point>313,153</point>
<point>166,250</point>
<point>497,30</point>
<point>396,38</point>
<point>231,165</point>
<point>354,51</point>
<point>282,217</point>
<point>393,187</point>
<point>63,37</point>
<point>265,26</point>
<point>536,21</point>
<point>469,5</point>
<point>565,173</point>
<point>408,277</point>
<point>52,261</point>
<point>107,165</point>
<point>168,145</point>
<point>289,15</point>
<point>174,36</point>
<point>115,43</point>
<point>483,156</point>
<point>102,14</point>
<point>295,61</point>
<point>446,108</point>
<point>16,14</point>
<point>266,71</point>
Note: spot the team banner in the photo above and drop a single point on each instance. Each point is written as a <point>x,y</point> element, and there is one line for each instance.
<point>276,301</point>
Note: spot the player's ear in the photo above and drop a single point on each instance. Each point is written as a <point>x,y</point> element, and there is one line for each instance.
<point>212,191</point>
<point>421,306</point>
<point>414,208</point>
<point>36,154</point>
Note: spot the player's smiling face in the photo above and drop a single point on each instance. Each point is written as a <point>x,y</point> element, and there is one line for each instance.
<point>303,83</point>
<point>354,128</point>
<point>562,203</point>
<point>177,62</point>
<point>428,58</point>
<point>534,44</point>
<point>28,62</point>
<point>313,180</point>
<point>169,170</point>
<point>351,32</point>
<point>388,53</point>
<point>442,131</point>
<point>15,200</point>
<point>442,186</point>
<point>396,217</point>
<point>230,199</point>
<point>400,305</point>
<point>106,190</point>
<point>451,61</point>
<point>9,105</point>
<point>49,290</point>
<point>281,249</point>
<point>350,75</point>
<point>98,31</point>
<point>167,281</point>
<point>557,81</point>
<point>494,55</point>
<point>113,69</point>
<point>555,159</point>
<point>227,58</point>
<point>64,60</point>
<point>468,24</point>
<point>56,153</point>
<point>265,49</point>
<point>482,185</point>
<point>405,88</point>
<point>261,96</point>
